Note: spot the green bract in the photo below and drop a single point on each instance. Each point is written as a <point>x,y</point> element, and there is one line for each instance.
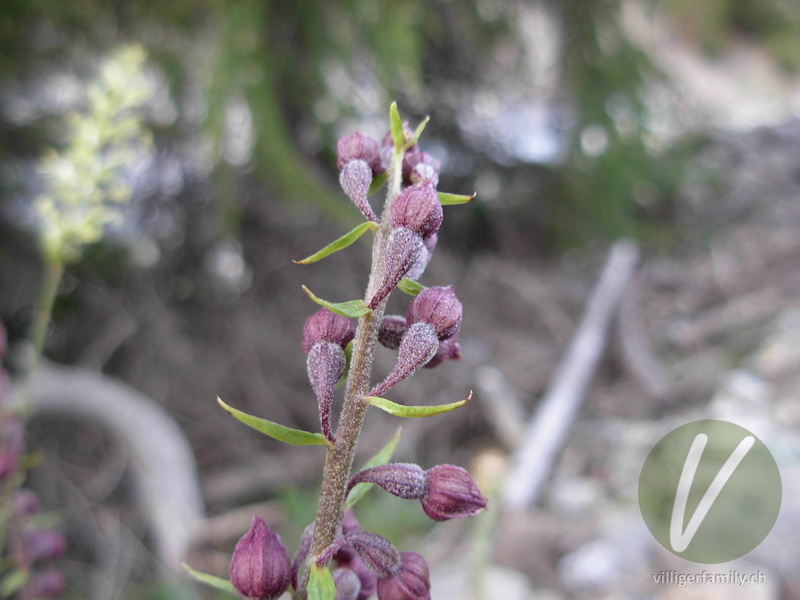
<point>297,437</point>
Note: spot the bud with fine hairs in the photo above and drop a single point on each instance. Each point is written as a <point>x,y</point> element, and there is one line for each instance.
<point>260,568</point>
<point>410,582</point>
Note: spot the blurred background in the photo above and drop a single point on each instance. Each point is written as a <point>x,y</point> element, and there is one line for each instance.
<point>576,122</point>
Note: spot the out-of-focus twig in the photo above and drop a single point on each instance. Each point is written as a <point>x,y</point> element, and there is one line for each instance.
<point>547,429</point>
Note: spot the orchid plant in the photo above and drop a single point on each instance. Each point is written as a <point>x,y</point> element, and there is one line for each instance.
<point>336,559</point>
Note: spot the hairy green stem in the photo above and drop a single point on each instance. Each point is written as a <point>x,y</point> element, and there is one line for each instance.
<point>339,458</point>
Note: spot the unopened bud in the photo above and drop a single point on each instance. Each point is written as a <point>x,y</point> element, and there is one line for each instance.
<point>448,350</point>
<point>25,502</point>
<point>418,346</point>
<point>418,268</point>
<point>391,331</point>
<point>411,582</point>
<point>355,179</point>
<point>358,147</point>
<point>378,553</point>
<point>420,166</point>
<point>417,208</point>
<point>348,585</point>
<point>45,584</point>
<point>325,326</point>
<point>326,364</point>
<point>439,307</point>
<point>403,480</point>
<point>302,553</point>
<point>452,494</point>
<point>43,545</point>
<point>260,568</point>
<point>403,249</point>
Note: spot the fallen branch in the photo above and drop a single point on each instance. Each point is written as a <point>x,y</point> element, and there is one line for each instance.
<point>161,459</point>
<point>546,431</point>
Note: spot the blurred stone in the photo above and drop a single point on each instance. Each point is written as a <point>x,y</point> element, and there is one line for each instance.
<point>452,580</point>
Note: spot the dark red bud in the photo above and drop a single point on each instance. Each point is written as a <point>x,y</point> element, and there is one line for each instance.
<point>357,147</point>
<point>326,364</point>
<point>403,480</point>
<point>44,545</point>
<point>420,166</point>
<point>350,522</point>
<point>439,307</point>
<point>260,568</point>
<point>452,494</point>
<point>418,346</point>
<point>48,583</point>
<point>347,557</point>
<point>391,331</point>
<point>325,326</point>
<point>348,585</point>
<point>403,249</point>
<point>448,350</point>
<point>355,179</point>
<point>411,582</point>
<point>9,464</point>
<point>417,208</point>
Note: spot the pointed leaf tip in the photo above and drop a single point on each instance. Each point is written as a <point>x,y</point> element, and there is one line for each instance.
<point>351,308</point>
<point>297,437</point>
<point>211,580</point>
<point>340,244</point>
<point>452,199</point>
<point>396,127</point>
<point>414,412</point>
<point>417,132</point>
<point>410,287</point>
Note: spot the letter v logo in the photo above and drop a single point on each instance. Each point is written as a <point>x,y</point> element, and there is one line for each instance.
<point>709,491</point>
<point>679,539</point>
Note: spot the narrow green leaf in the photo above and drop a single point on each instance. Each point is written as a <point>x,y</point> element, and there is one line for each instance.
<point>320,584</point>
<point>216,582</point>
<point>417,132</point>
<point>377,183</point>
<point>396,127</point>
<point>414,412</point>
<point>407,286</point>
<point>351,308</point>
<point>13,582</point>
<point>340,244</point>
<point>382,457</point>
<point>298,437</point>
<point>450,199</point>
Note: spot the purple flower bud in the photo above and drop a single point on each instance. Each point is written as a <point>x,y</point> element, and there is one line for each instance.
<point>418,268</point>
<point>452,494</point>
<point>418,346</point>
<point>420,166</point>
<point>358,147</point>
<point>260,568</point>
<point>403,480</point>
<point>355,179</point>
<point>43,545</point>
<point>376,551</point>
<point>448,349</point>
<point>9,464</point>
<point>411,582</point>
<point>25,502</point>
<point>348,585</point>
<point>391,331</point>
<point>326,363</point>
<point>325,326</point>
<point>417,208</point>
<point>403,249</point>
<point>350,522</point>
<point>439,307</point>
<point>369,581</point>
<point>45,584</point>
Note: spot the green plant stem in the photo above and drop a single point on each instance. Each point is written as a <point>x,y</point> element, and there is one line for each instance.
<point>43,311</point>
<point>339,458</point>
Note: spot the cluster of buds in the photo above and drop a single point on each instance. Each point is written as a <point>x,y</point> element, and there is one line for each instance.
<point>33,549</point>
<point>336,559</point>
